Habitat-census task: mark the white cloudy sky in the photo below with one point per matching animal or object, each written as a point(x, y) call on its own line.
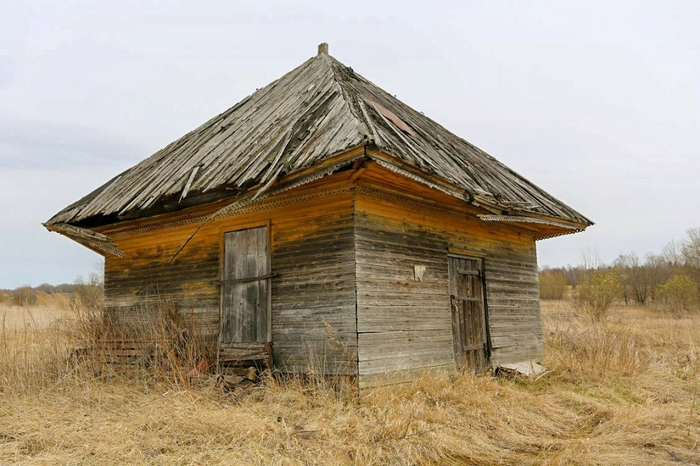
point(597, 102)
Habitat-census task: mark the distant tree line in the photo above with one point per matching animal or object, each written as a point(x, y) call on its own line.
point(90, 290)
point(670, 279)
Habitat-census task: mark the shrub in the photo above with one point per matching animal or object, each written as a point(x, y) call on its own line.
point(552, 284)
point(594, 350)
point(597, 291)
point(678, 294)
point(89, 292)
point(24, 296)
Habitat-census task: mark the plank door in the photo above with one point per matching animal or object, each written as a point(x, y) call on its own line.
point(245, 295)
point(468, 313)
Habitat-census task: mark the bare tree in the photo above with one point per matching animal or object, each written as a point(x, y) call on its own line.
point(690, 248)
point(671, 253)
point(628, 265)
point(590, 259)
point(658, 270)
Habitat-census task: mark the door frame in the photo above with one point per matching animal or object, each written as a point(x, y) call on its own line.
point(481, 259)
point(222, 259)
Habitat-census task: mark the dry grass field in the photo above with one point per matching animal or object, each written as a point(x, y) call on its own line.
point(621, 392)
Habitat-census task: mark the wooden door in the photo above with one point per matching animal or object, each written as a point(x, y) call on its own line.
point(468, 313)
point(245, 284)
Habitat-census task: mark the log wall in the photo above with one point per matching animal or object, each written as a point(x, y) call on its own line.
point(312, 249)
point(404, 325)
point(346, 250)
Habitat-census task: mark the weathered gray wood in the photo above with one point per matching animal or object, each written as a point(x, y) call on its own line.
point(324, 264)
point(389, 300)
point(243, 280)
point(312, 113)
point(245, 311)
point(313, 296)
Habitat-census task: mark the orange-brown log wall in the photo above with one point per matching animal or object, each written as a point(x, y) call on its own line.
point(313, 294)
point(333, 252)
point(404, 325)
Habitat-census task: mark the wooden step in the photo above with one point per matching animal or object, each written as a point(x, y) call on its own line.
point(245, 355)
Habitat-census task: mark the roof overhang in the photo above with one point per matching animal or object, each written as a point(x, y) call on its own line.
point(497, 212)
point(569, 227)
point(504, 212)
point(93, 240)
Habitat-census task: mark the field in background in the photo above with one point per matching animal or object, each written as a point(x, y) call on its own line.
point(622, 391)
point(48, 310)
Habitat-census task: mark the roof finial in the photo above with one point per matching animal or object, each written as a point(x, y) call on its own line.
point(323, 48)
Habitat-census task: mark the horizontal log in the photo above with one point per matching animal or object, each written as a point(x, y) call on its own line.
point(244, 280)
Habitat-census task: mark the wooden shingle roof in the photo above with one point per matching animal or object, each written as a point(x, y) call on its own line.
point(318, 110)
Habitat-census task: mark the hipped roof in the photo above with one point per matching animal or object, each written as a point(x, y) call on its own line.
point(318, 110)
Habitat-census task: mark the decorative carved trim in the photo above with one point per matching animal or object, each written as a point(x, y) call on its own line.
point(407, 199)
point(420, 179)
point(159, 226)
point(394, 196)
point(270, 202)
point(522, 219)
point(106, 248)
point(558, 234)
point(91, 239)
point(245, 205)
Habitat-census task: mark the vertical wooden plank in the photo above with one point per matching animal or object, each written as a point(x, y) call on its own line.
point(240, 309)
point(455, 310)
point(464, 306)
point(262, 269)
point(482, 300)
point(251, 290)
point(268, 283)
point(469, 324)
point(229, 298)
point(245, 310)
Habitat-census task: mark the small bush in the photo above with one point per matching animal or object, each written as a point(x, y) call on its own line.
point(24, 296)
point(89, 292)
point(678, 294)
point(595, 350)
point(552, 284)
point(597, 291)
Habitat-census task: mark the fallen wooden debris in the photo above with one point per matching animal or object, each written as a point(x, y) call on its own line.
point(520, 369)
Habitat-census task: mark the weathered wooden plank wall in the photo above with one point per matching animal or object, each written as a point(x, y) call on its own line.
point(313, 294)
point(336, 244)
point(313, 297)
point(403, 324)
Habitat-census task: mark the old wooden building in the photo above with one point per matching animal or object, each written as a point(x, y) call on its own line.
point(323, 218)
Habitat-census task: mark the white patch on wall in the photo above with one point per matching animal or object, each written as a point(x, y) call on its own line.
point(418, 272)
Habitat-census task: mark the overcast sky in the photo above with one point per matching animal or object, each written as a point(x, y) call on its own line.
point(596, 102)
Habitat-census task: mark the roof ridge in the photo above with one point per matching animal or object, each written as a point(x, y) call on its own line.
point(362, 124)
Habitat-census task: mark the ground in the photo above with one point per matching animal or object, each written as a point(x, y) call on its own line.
point(618, 392)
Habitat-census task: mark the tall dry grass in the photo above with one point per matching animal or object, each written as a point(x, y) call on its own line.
point(621, 391)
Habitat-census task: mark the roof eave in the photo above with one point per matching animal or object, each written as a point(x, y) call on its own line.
point(391, 162)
